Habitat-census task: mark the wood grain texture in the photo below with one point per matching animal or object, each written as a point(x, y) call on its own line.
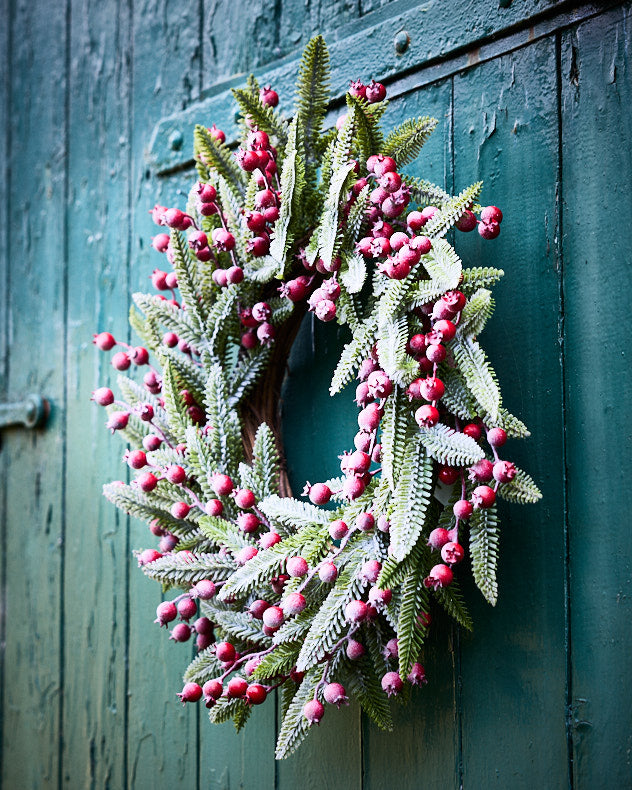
point(597, 175)
point(34, 480)
point(96, 577)
point(162, 733)
point(513, 666)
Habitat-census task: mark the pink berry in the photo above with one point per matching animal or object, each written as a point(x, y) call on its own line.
point(325, 310)
point(496, 437)
point(268, 96)
point(452, 553)
point(190, 693)
point(417, 675)
point(380, 598)
point(338, 529)
point(335, 694)
point(426, 416)
point(491, 214)
point(463, 509)
point(504, 471)
point(180, 633)
point(175, 474)
point(166, 612)
point(257, 608)
point(103, 396)
point(392, 684)
point(121, 360)
point(483, 496)
point(383, 524)
point(244, 498)
point(173, 218)
point(355, 650)
point(365, 522)
point(313, 711)
point(168, 543)
point(245, 555)
point(204, 589)
point(319, 493)
point(269, 539)
point(217, 134)
point(214, 507)
point(432, 388)
point(180, 509)
point(104, 341)
point(225, 652)
point(438, 538)
point(222, 484)
point(296, 566)
point(482, 471)
point(379, 384)
point(203, 626)
point(353, 487)
point(370, 571)
point(266, 333)
point(328, 573)
point(147, 482)
point(439, 576)
point(356, 611)
point(273, 617)
point(187, 608)
point(489, 231)
point(375, 92)
point(369, 418)
point(294, 603)
point(206, 192)
point(445, 328)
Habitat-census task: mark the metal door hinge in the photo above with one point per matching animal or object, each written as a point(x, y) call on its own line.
point(30, 412)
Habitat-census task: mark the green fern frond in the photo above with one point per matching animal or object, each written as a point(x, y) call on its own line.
point(181, 569)
point(452, 210)
point(262, 115)
point(367, 120)
point(411, 500)
point(443, 265)
point(521, 489)
point(450, 447)
point(405, 142)
point(479, 277)
point(476, 313)
point(451, 599)
point(312, 93)
point(425, 193)
point(218, 157)
point(478, 374)
point(353, 353)
point(484, 536)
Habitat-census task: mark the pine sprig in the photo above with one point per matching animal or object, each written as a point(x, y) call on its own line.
point(411, 500)
point(521, 490)
point(478, 374)
point(447, 446)
point(218, 158)
point(484, 535)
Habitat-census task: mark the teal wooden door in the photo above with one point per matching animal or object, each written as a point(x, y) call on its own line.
point(535, 98)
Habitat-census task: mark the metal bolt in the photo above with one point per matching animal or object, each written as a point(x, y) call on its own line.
point(401, 42)
point(176, 140)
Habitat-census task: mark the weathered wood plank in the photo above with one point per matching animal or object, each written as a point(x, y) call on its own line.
point(596, 183)
point(513, 667)
point(162, 734)
point(96, 537)
point(425, 739)
point(34, 497)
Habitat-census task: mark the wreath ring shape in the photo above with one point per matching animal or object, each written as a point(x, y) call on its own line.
point(328, 596)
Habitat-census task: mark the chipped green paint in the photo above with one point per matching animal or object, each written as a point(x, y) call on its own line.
point(534, 97)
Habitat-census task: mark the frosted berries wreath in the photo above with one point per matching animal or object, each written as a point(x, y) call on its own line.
point(329, 598)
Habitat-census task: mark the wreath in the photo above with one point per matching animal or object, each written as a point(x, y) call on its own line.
point(330, 596)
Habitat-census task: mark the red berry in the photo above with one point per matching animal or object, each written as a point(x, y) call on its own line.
point(295, 603)
point(203, 626)
point(338, 529)
point(353, 487)
point(355, 650)
point(375, 92)
point(496, 437)
point(439, 576)
point(482, 471)
point(103, 396)
point(268, 96)
point(365, 522)
point(504, 471)
point(427, 416)
point(136, 459)
point(147, 482)
point(452, 553)
point(483, 496)
point(491, 214)
point(432, 388)
point(180, 509)
point(417, 675)
point(473, 430)
point(466, 222)
point(213, 689)
point(257, 608)
point(175, 474)
point(180, 633)
point(245, 555)
point(244, 498)
point(438, 538)
point(214, 507)
point(190, 693)
point(369, 418)
point(269, 539)
point(379, 384)
point(256, 694)
point(463, 509)
point(222, 484)
point(121, 360)
point(488, 231)
point(319, 493)
point(237, 687)
point(225, 652)
point(370, 571)
point(445, 329)
point(187, 608)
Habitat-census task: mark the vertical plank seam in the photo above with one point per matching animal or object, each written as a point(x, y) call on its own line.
point(458, 690)
point(559, 249)
point(128, 254)
point(64, 396)
point(6, 175)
